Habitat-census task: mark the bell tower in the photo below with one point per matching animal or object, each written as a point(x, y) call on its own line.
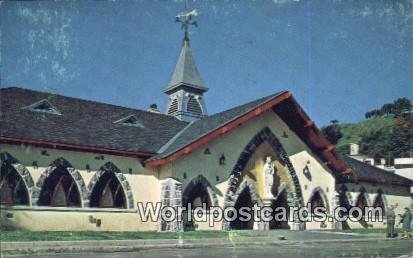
point(186, 88)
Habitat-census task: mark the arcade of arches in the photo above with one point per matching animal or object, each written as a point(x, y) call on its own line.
point(59, 188)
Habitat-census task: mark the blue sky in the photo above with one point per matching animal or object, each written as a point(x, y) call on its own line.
point(339, 58)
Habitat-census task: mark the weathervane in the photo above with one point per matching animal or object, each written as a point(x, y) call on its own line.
point(187, 19)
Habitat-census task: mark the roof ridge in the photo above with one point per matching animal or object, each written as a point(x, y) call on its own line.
point(249, 103)
point(86, 100)
point(173, 139)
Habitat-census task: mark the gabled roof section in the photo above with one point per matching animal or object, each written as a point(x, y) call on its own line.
point(43, 106)
point(130, 120)
point(202, 127)
point(368, 173)
point(186, 73)
point(84, 125)
point(202, 131)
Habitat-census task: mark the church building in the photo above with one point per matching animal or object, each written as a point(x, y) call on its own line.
point(74, 164)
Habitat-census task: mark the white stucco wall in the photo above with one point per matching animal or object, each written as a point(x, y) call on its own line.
point(144, 185)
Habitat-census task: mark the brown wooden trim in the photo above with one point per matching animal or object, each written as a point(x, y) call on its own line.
point(219, 131)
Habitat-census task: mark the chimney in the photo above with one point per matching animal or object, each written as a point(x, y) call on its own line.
point(153, 108)
point(354, 149)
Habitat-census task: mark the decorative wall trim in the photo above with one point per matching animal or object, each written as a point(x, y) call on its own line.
point(255, 197)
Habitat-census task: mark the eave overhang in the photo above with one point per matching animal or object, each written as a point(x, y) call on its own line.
point(75, 147)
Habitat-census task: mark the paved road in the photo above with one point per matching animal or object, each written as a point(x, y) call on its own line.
point(376, 248)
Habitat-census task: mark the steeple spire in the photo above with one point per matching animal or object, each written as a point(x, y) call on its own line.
point(186, 86)
point(186, 72)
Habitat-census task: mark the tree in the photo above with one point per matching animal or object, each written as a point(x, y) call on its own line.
point(387, 108)
point(401, 105)
point(332, 132)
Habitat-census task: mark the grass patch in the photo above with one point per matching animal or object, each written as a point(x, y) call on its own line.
point(16, 236)
point(368, 230)
point(90, 235)
point(11, 236)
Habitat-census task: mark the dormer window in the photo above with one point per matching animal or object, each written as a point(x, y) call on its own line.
point(130, 121)
point(43, 106)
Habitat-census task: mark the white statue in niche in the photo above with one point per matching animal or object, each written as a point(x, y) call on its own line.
point(268, 176)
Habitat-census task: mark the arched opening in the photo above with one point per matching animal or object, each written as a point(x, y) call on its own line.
point(193, 106)
point(290, 177)
point(13, 190)
point(344, 202)
point(59, 190)
point(316, 201)
point(244, 200)
point(197, 195)
point(281, 212)
point(361, 203)
point(379, 203)
point(108, 193)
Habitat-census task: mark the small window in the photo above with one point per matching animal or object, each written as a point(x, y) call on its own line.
point(43, 106)
point(130, 121)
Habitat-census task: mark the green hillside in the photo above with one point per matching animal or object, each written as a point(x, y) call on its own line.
point(352, 133)
point(387, 132)
point(386, 137)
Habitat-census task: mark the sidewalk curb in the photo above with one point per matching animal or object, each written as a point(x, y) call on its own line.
point(96, 246)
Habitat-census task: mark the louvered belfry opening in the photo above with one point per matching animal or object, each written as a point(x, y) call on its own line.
point(59, 190)
point(108, 193)
point(173, 108)
point(13, 190)
point(193, 106)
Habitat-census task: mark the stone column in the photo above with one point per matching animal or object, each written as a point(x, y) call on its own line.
point(335, 202)
point(297, 225)
point(171, 195)
point(262, 225)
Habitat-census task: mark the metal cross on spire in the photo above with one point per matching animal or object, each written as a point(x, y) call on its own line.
point(187, 19)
